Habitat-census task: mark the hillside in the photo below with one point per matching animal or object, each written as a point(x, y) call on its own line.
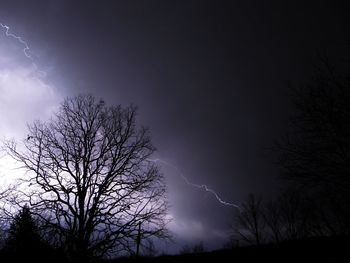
point(310, 250)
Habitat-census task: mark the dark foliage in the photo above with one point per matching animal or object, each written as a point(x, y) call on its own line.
point(23, 236)
point(24, 242)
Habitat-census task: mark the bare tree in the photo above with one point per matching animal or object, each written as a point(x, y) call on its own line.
point(315, 152)
point(273, 220)
point(4, 218)
point(90, 179)
point(250, 221)
point(294, 217)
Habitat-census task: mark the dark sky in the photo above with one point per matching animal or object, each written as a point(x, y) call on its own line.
point(209, 78)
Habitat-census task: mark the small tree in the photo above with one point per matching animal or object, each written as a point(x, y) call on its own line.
point(294, 215)
point(23, 236)
point(273, 220)
point(250, 221)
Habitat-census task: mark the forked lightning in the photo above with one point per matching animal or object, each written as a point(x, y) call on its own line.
point(199, 186)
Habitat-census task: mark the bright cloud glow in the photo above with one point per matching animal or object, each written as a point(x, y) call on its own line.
point(25, 96)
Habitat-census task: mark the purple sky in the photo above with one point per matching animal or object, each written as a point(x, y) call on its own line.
point(209, 79)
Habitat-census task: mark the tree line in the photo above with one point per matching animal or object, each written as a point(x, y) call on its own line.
point(314, 157)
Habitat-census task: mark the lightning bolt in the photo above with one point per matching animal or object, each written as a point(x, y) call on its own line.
point(199, 186)
point(26, 49)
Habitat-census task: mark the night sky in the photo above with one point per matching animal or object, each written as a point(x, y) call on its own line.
point(210, 79)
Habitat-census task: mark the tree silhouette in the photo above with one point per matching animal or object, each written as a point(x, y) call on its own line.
point(250, 222)
point(91, 181)
point(273, 219)
point(294, 217)
point(23, 241)
point(315, 152)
